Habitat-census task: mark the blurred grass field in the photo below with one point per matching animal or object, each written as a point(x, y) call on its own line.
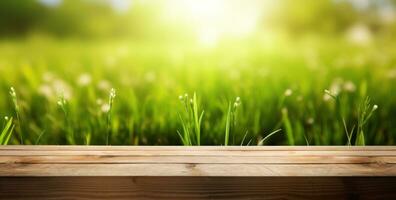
point(63, 90)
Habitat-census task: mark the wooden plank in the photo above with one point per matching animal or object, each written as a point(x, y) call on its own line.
point(197, 188)
point(103, 172)
point(200, 148)
point(196, 161)
point(86, 159)
point(198, 152)
point(273, 170)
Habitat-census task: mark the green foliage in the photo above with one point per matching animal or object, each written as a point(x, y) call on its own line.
point(364, 114)
point(17, 113)
point(365, 111)
point(288, 126)
point(262, 141)
point(112, 95)
point(231, 120)
point(191, 121)
point(68, 128)
point(7, 131)
point(149, 76)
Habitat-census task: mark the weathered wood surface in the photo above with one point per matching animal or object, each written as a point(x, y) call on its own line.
point(114, 172)
point(332, 188)
point(197, 161)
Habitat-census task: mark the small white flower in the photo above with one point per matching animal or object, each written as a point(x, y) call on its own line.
point(84, 79)
point(62, 88)
point(375, 107)
point(105, 108)
point(12, 92)
point(112, 93)
point(359, 34)
point(335, 89)
point(104, 85)
point(6, 118)
point(326, 96)
point(99, 101)
point(237, 102)
point(46, 91)
point(349, 86)
point(288, 92)
point(310, 120)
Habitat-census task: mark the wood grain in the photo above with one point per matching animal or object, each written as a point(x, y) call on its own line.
point(197, 188)
point(196, 161)
point(166, 172)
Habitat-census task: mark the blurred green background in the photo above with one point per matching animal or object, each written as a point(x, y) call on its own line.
point(62, 57)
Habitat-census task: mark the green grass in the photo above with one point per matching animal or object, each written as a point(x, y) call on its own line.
point(191, 121)
point(6, 133)
point(63, 92)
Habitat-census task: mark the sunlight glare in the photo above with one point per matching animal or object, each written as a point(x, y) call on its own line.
point(213, 20)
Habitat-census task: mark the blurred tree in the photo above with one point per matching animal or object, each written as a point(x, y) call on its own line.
point(19, 17)
point(79, 18)
point(303, 16)
point(147, 19)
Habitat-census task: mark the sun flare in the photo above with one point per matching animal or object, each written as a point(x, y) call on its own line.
point(212, 20)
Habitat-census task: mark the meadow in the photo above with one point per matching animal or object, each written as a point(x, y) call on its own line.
point(262, 91)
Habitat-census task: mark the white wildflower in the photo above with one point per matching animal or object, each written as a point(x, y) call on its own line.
point(104, 85)
point(62, 88)
point(288, 92)
point(359, 34)
point(112, 93)
point(237, 102)
point(105, 108)
point(326, 96)
point(46, 91)
point(99, 101)
point(349, 86)
point(335, 88)
point(12, 92)
point(310, 120)
point(84, 79)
